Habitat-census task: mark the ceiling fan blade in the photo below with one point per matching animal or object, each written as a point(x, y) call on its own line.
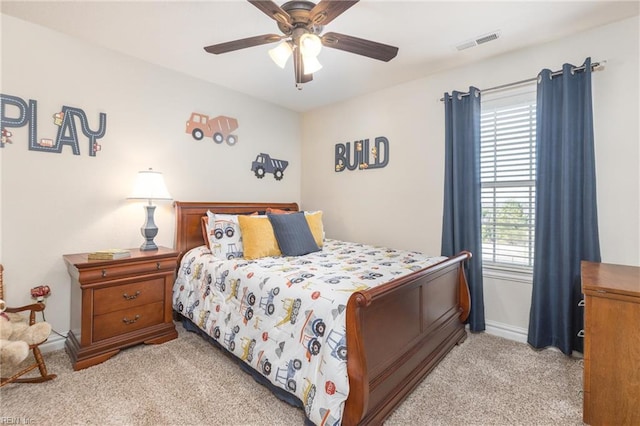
point(298, 67)
point(230, 46)
point(273, 10)
point(359, 46)
point(328, 10)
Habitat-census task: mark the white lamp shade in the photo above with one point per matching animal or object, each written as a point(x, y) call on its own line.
point(310, 64)
point(310, 45)
point(281, 53)
point(149, 185)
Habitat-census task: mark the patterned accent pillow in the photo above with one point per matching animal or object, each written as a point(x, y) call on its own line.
point(258, 237)
point(293, 234)
point(225, 236)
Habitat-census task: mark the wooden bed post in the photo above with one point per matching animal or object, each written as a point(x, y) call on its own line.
point(358, 399)
point(465, 296)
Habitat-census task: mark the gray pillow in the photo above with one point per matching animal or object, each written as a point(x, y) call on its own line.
point(293, 234)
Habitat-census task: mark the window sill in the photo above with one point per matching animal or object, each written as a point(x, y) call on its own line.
point(507, 273)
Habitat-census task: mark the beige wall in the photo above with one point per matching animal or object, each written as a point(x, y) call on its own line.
point(401, 205)
point(53, 204)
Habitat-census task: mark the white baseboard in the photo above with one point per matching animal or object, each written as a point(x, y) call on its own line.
point(507, 331)
point(494, 328)
point(517, 334)
point(54, 343)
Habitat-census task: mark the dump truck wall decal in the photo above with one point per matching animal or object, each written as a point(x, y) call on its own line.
point(264, 164)
point(219, 128)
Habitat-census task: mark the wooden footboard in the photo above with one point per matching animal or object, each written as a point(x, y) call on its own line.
point(397, 333)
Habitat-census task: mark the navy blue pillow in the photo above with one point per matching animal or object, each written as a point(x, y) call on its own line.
point(293, 234)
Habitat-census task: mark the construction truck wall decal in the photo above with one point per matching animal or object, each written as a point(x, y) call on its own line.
point(219, 128)
point(265, 164)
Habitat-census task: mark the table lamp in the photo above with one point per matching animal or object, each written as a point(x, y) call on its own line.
point(149, 185)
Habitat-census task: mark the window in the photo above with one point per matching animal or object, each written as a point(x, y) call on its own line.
point(507, 175)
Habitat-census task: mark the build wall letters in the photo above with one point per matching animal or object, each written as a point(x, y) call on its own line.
point(362, 156)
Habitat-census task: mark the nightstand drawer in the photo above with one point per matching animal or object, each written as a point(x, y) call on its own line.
point(128, 296)
point(127, 320)
point(99, 272)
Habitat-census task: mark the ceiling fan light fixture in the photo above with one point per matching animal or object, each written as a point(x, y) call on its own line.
point(301, 23)
point(281, 53)
point(310, 45)
point(310, 64)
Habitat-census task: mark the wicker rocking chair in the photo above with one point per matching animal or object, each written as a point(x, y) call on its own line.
point(33, 346)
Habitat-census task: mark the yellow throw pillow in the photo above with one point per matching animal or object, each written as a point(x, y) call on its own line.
point(258, 239)
point(315, 225)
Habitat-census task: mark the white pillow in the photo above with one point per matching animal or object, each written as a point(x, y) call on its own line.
point(225, 238)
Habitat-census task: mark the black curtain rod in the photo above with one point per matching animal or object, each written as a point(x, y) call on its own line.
point(594, 67)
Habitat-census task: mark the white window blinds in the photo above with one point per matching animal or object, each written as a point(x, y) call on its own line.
point(507, 168)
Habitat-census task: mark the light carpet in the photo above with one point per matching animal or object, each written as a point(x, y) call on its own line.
point(485, 381)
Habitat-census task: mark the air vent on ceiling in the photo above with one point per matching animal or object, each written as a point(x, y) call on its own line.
point(485, 38)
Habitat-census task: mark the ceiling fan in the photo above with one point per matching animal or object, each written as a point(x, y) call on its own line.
point(301, 23)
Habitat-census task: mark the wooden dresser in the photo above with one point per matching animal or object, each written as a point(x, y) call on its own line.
point(119, 303)
point(612, 344)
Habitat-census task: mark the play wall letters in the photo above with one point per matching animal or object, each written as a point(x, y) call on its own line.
point(66, 121)
point(363, 157)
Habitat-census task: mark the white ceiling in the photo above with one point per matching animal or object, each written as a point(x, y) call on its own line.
point(172, 34)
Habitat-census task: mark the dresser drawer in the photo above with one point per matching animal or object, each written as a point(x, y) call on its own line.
point(126, 296)
point(127, 320)
point(102, 272)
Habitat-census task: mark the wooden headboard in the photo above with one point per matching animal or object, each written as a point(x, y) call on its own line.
point(189, 218)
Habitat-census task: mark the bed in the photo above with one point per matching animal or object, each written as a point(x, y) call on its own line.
point(395, 332)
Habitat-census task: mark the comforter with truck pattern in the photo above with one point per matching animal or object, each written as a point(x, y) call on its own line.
point(285, 316)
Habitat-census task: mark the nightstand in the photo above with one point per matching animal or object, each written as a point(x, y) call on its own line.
point(119, 303)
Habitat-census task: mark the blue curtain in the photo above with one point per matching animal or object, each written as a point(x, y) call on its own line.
point(566, 230)
point(461, 226)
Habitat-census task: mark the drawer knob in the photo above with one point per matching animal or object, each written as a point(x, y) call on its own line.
point(104, 273)
point(158, 265)
point(130, 321)
point(131, 296)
